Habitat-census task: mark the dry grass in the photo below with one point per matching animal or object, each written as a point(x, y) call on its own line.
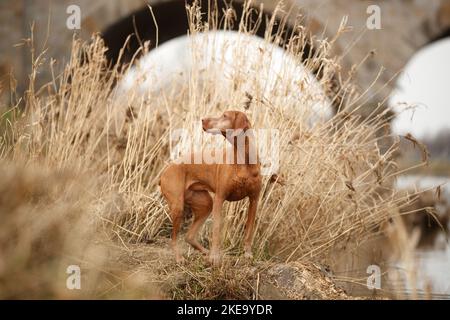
point(49, 222)
point(338, 181)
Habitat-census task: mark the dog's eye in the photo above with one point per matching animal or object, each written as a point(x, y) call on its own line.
point(223, 116)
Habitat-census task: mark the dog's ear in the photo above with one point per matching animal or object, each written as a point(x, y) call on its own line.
point(241, 122)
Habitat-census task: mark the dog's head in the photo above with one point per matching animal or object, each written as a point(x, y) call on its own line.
point(235, 121)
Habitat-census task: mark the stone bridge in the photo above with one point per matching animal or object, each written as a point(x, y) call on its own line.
point(406, 26)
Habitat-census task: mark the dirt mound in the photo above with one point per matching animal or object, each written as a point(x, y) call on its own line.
point(235, 279)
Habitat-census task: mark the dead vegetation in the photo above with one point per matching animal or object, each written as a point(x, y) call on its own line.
point(86, 189)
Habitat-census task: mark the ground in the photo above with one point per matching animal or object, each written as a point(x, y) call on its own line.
point(236, 279)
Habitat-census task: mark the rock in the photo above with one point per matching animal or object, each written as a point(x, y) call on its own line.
point(296, 280)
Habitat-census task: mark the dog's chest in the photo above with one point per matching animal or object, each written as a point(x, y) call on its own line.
point(242, 187)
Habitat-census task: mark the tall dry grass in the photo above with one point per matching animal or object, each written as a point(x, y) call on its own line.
point(338, 180)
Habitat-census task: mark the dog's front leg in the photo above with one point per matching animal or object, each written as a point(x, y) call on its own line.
point(215, 256)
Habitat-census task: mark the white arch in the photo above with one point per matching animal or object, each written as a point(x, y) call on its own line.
point(263, 69)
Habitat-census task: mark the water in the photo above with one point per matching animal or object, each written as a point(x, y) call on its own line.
point(432, 264)
point(421, 182)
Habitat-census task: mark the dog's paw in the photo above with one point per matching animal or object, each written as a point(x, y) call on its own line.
point(248, 255)
point(180, 259)
point(214, 259)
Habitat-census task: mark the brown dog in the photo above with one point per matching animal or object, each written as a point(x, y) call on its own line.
point(188, 185)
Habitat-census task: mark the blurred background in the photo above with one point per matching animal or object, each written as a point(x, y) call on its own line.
point(404, 65)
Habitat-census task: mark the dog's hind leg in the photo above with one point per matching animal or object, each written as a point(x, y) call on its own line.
point(174, 194)
point(250, 226)
point(200, 203)
point(176, 213)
